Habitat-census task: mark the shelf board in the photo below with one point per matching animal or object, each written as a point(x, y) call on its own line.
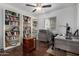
point(13, 36)
point(9, 47)
point(13, 20)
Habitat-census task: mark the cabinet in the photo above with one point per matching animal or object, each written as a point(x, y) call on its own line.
point(29, 44)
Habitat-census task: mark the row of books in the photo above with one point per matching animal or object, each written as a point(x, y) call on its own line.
point(11, 13)
point(12, 23)
point(12, 40)
point(10, 34)
point(26, 18)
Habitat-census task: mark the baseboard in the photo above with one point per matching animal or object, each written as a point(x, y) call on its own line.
point(12, 46)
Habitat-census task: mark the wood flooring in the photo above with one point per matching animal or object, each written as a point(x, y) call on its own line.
point(40, 50)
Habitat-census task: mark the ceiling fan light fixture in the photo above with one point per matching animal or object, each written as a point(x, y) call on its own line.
point(38, 8)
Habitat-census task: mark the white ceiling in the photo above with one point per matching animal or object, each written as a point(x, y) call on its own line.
point(55, 6)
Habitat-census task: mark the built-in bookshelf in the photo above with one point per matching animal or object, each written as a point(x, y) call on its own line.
point(12, 30)
point(26, 26)
point(34, 28)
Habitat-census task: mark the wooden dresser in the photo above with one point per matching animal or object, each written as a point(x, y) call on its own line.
point(29, 44)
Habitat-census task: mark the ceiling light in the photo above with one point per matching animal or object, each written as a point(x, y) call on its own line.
point(38, 8)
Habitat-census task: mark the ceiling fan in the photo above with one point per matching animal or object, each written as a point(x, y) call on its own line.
point(38, 6)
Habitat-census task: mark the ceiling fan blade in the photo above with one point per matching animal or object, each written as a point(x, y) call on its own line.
point(46, 6)
point(30, 5)
point(34, 10)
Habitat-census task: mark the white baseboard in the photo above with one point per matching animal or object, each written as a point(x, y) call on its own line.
point(12, 47)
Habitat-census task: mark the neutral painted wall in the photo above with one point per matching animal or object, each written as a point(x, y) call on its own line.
point(63, 16)
point(1, 31)
point(41, 23)
point(77, 16)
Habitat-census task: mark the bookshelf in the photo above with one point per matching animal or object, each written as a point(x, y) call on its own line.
point(34, 28)
point(12, 28)
point(29, 41)
point(26, 26)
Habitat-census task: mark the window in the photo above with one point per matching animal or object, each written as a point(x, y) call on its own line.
point(52, 23)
